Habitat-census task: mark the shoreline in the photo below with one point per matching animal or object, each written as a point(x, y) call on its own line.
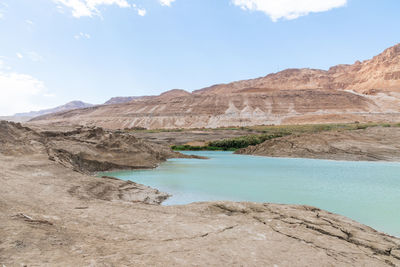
point(190, 196)
point(299, 158)
point(249, 202)
point(52, 212)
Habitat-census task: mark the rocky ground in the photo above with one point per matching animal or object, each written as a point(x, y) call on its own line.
point(371, 144)
point(84, 149)
point(53, 214)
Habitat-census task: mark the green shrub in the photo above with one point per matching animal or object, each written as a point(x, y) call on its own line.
point(198, 148)
point(244, 141)
point(361, 127)
point(268, 132)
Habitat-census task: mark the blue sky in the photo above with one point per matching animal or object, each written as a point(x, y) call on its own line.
point(55, 51)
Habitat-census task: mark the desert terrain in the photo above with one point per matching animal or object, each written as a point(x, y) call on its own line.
point(54, 213)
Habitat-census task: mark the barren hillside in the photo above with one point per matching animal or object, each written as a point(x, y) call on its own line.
point(364, 91)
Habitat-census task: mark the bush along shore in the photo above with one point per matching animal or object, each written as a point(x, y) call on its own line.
point(265, 133)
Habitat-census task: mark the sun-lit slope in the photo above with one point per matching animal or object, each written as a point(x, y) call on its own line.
point(364, 91)
point(382, 72)
point(196, 111)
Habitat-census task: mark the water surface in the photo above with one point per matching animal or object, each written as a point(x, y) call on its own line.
point(368, 192)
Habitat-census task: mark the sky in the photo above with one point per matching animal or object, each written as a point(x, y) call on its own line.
point(56, 51)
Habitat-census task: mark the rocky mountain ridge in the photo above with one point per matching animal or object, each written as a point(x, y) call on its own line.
point(365, 91)
point(69, 106)
point(382, 72)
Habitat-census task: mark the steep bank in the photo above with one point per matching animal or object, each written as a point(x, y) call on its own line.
point(371, 144)
point(85, 149)
point(94, 149)
point(50, 214)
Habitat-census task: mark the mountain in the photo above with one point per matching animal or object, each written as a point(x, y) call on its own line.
point(19, 119)
point(379, 73)
point(126, 99)
point(69, 106)
point(120, 100)
point(364, 91)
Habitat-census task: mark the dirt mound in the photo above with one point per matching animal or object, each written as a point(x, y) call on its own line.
point(112, 189)
point(84, 149)
point(16, 139)
point(94, 149)
point(372, 144)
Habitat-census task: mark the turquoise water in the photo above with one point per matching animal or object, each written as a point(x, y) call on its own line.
point(368, 192)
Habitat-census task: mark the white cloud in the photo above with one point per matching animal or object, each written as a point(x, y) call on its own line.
point(166, 2)
point(3, 66)
point(141, 12)
point(3, 7)
point(60, 9)
point(88, 8)
point(82, 35)
point(34, 56)
point(18, 92)
point(288, 9)
point(30, 22)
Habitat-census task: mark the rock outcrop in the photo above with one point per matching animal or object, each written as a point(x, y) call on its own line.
point(16, 139)
point(365, 91)
point(94, 149)
point(371, 144)
point(86, 150)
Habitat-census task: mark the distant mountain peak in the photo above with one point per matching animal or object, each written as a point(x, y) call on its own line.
point(121, 100)
point(175, 93)
point(76, 104)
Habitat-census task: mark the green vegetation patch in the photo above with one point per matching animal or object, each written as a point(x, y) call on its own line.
point(244, 141)
point(199, 148)
point(269, 132)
